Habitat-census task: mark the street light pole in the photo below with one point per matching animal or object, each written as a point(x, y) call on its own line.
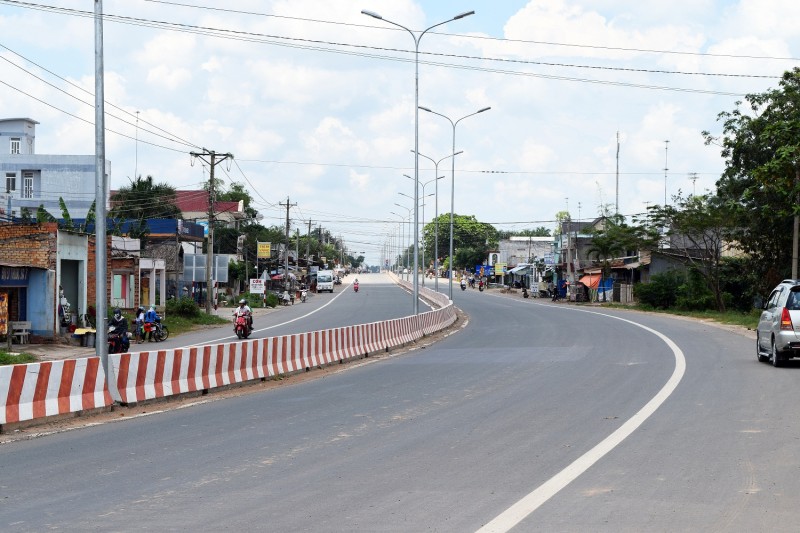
point(424, 264)
point(401, 234)
point(436, 229)
point(417, 39)
point(410, 209)
point(453, 184)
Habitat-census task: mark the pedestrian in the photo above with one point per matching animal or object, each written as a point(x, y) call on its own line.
point(139, 324)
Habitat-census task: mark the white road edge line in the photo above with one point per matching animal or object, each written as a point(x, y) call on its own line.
point(527, 505)
point(320, 308)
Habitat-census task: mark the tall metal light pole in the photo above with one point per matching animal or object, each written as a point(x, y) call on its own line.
point(453, 184)
point(400, 238)
point(424, 264)
point(417, 39)
point(436, 237)
point(410, 209)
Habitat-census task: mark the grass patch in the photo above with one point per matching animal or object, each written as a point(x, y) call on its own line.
point(12, 359)
point(179, 324)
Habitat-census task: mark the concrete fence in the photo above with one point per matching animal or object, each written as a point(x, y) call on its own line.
point(38, 390)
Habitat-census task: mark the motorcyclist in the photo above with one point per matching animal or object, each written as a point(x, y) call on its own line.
point(355, 284)
point(120, 325)
point(150, 318)
point(463, 284)
point(243, 310)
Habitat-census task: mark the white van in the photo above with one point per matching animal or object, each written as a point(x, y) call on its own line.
point(325, 280)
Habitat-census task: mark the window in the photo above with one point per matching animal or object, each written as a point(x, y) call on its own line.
point(27, 184)
point(15, 145)
point(11, 182)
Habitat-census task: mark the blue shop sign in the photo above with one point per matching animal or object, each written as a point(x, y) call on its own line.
point(13, 276)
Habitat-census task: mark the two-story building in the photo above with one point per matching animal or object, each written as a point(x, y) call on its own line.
point(33, 179)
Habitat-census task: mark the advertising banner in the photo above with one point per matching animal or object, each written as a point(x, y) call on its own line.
point(256, 286)
point(264, 250)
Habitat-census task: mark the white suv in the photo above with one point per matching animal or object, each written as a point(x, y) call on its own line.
point(778, 332)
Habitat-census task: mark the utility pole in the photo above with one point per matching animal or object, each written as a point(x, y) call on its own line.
point(211, 159)
point(100, 187)
point(616, 204)
point(308, 249)
point(286, 254)
point(666, 157)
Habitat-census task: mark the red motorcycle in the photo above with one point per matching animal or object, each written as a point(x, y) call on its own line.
point(355, 287)
point(242, 326)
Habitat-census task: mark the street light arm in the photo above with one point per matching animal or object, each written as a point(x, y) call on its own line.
point(471, 115)
point(371, 14)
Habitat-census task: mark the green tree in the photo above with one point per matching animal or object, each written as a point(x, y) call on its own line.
point(761, 182)
point(611, 239)
point(694, 231)
point(143, 199)
point(472, 240)
point(42, 215)
point(236, 193)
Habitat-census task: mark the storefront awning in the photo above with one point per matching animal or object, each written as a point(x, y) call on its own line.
point(591, 280)
point(520, 270)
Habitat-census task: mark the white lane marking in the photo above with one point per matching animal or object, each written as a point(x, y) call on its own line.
point(280, 324)
point(229, 337)
point(527, 505)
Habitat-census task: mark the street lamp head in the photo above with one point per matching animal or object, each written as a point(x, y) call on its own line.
point(462, 15)
point(425, 109)
point(459, 152)
point(371, 14)
point(482, 110)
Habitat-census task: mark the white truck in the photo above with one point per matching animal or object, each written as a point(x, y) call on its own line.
point(325, 280)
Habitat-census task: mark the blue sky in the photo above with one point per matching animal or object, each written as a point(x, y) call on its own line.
point(329, 120)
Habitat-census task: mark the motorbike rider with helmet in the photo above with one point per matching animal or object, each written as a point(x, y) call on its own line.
point(243, 310)
point(120, 333)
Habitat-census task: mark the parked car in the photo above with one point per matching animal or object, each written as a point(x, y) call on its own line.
point(778, 332)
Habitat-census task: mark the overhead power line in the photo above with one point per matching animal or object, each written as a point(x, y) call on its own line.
point(478, 37)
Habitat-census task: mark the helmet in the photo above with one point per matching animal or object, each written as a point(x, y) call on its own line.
point(242, 301)
point(117, 313)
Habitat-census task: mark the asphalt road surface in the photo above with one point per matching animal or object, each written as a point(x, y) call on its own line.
point(534, 417)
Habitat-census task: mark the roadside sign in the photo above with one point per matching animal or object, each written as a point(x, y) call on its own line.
point(264, 250)
point(256, 286)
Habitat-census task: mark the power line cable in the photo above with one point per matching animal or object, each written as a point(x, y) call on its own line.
point(480, 37)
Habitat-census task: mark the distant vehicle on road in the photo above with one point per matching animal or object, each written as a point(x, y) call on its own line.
point(325, 280)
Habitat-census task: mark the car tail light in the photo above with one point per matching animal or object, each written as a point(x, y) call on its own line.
point(786, 320)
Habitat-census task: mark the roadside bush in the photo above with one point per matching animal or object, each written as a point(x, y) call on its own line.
point(272, 300)
point(693, 294)
point(184, 306)
point(661, 292)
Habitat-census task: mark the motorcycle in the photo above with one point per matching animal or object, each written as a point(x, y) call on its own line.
point(156, 330)
point(118, 342)
point(480, 286)
point(524, 292)
point(242, 326)
point(303, 295)
point(463, 286)
point(355, 287)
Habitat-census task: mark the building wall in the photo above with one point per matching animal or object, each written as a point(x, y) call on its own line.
point(33, 245)
point(71, 177)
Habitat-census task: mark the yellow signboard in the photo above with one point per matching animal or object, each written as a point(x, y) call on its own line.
point(264, 250)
